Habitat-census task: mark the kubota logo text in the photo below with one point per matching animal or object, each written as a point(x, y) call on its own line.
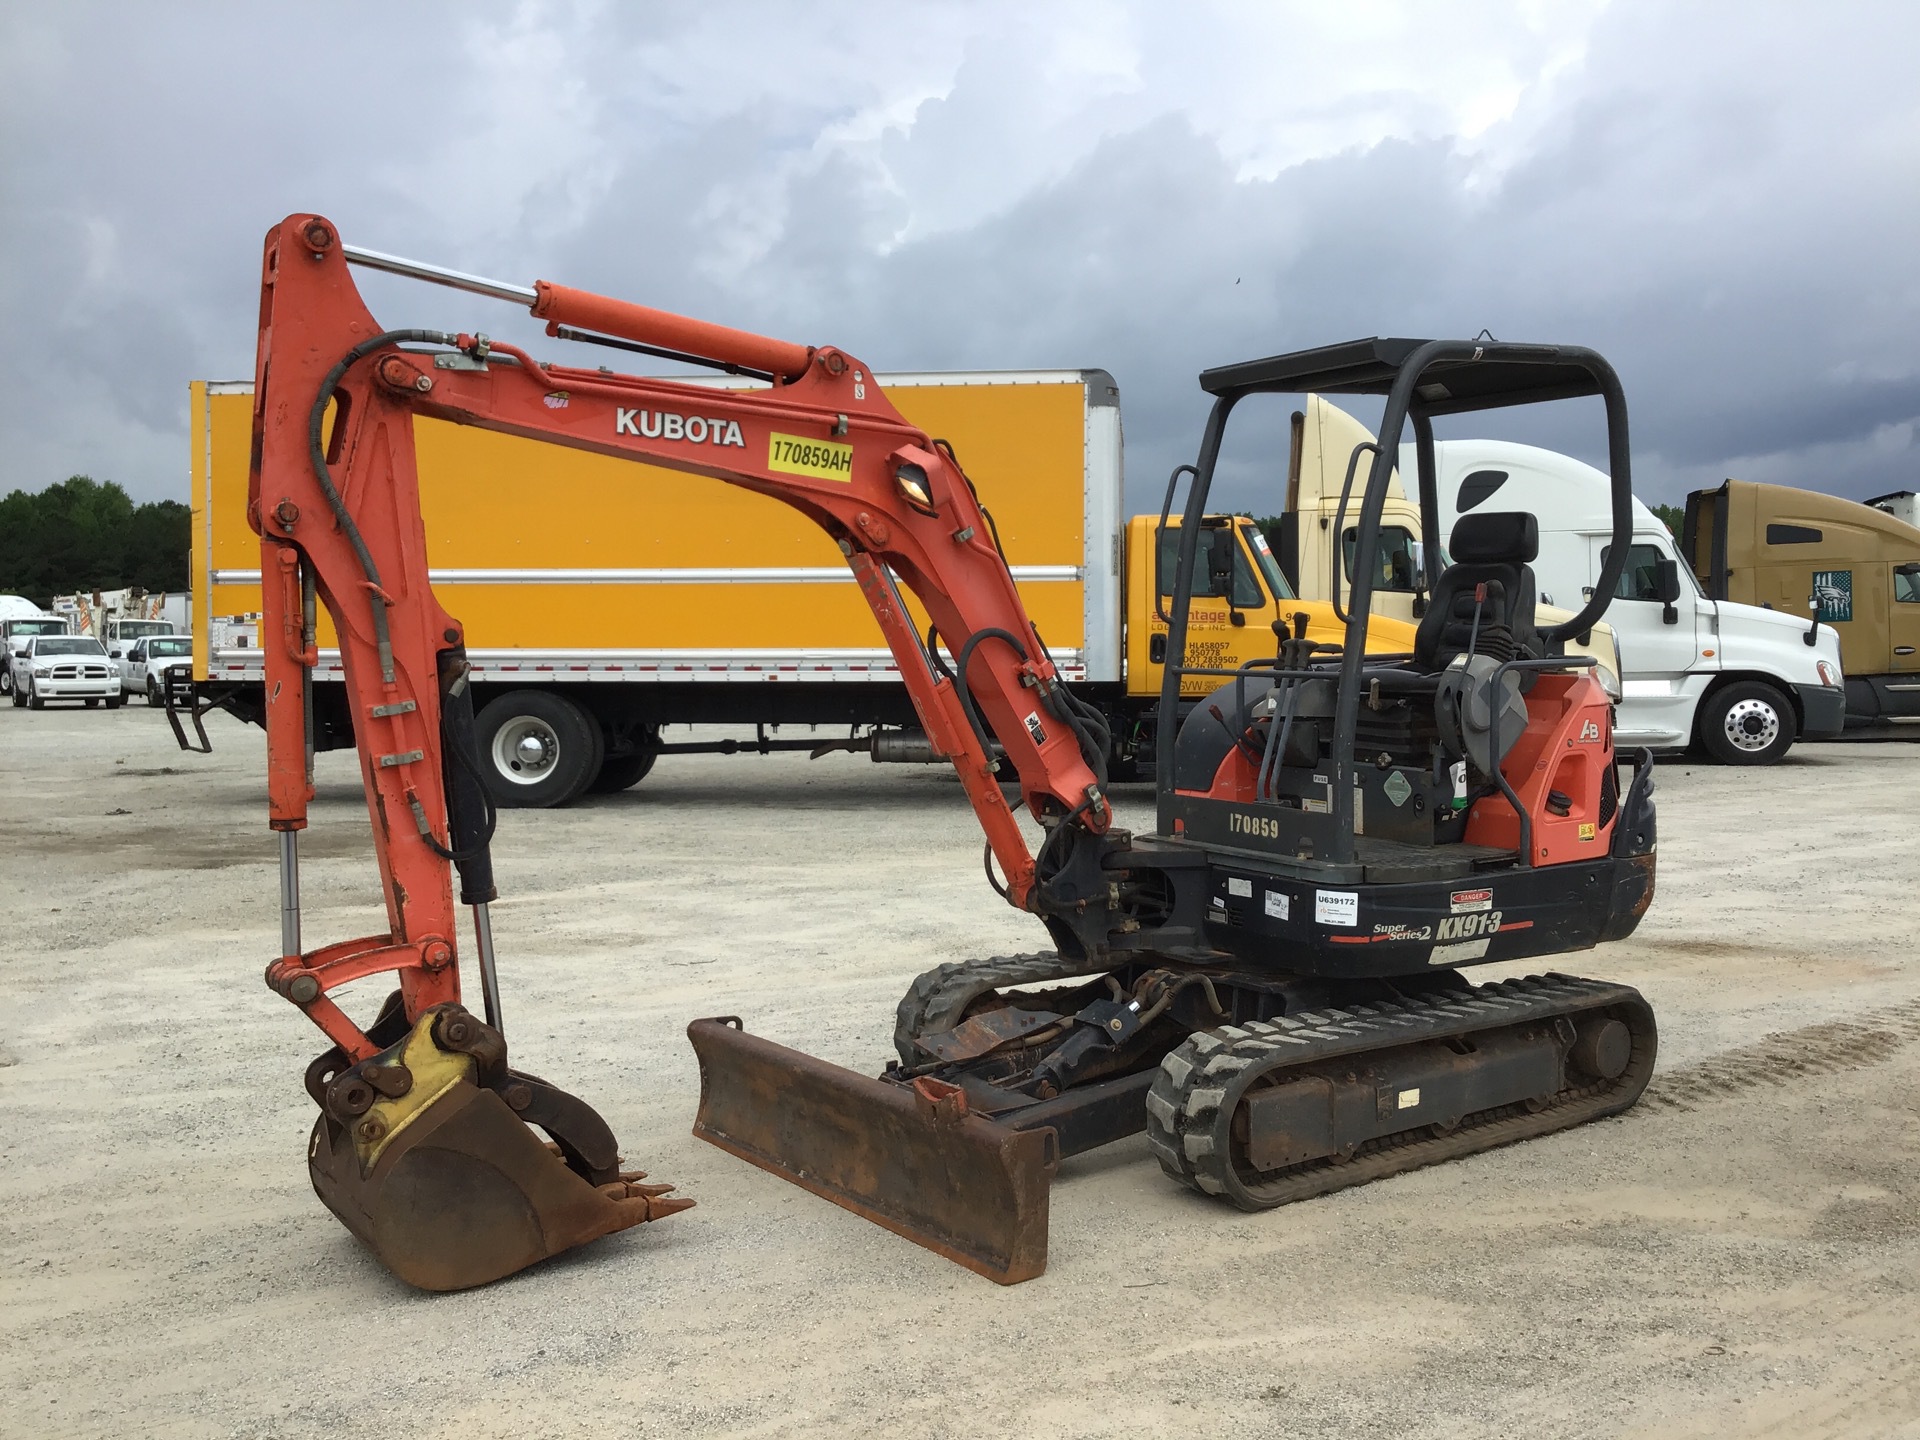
point(665, 425)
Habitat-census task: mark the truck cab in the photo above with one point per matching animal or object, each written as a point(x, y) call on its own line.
point(1327, 452)
point(1851, 568)
point(1742, 682)
point(1239, 595)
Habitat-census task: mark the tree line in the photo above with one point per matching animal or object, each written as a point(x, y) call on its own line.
point(81, 535)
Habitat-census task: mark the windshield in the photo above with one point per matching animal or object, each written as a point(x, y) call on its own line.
point(39, 627)
point(67, 645)
point(1269, 566)
point(135, 629)
point(170, 646)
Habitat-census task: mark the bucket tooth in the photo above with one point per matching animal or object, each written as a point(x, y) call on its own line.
point(909, 1157)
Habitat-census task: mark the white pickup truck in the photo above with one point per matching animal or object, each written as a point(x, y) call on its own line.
point(63, 667)
point(144, 665)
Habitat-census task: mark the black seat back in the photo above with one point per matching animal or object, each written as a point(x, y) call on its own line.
point(1492, 550)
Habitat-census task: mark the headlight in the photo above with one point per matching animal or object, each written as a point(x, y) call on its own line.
point(1610, 680)
point(1828, 675)
point(42, 672)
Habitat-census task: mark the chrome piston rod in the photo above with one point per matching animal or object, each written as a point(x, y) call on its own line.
point(439, 275)
point(290, 894)
point(489, 977)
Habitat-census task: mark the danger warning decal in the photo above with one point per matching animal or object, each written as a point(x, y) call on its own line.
point(1462, 902)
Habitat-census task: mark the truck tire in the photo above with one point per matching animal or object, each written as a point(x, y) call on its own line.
point(1746, 723)
point(154, 702)
point(6, 680)
point(623, 772)
point(114, 702)
point(537, 749)
point(34, 702)
point(19, 697)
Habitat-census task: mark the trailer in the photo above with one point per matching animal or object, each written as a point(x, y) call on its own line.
point(607, 603)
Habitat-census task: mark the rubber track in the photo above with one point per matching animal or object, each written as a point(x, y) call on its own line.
point(938, 999)
point(1191, 1104)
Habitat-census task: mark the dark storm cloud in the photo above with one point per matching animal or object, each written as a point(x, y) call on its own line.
point(1723, 202)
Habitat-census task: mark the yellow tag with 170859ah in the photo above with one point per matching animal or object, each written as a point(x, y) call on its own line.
point(821, 459)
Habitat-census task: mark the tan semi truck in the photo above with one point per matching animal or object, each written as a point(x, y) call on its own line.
point(1832, 562)
point(607, 602)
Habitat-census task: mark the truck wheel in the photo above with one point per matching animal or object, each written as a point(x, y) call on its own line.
point(154, 702)
point(623, 772)
point(1747, 723)
point(34, 702)
point(537, 749)
point(114, 702)
point(19, 698)
point(6, 680)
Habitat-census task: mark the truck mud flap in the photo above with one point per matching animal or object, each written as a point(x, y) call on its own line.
point(909, 1157)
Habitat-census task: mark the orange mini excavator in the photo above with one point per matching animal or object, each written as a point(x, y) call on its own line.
point(1268, 986)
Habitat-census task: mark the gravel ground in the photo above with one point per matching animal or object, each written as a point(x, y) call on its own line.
point(1737, 1256)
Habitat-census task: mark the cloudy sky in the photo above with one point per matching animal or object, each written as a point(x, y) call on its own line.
point(1723, 198)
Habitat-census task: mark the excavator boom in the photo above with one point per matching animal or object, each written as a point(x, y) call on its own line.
point(423, 1147)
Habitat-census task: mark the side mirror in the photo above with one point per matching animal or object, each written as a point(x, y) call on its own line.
point(1666, 589)
point(1666, 581)
point(1220, 558)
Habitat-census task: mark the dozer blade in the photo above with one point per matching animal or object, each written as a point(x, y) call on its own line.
point(909, 1157)
point(451, 1189)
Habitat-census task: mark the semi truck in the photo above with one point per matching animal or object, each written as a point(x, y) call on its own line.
point(1739, 681)
point(607, 602)
point(1821, 560)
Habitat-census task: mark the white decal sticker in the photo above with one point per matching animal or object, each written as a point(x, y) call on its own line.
point(1465, 900)
point(1239, 887)
point(1276, 905)
point(1336, 907)
point(1458, 954)
point(1409, 1099)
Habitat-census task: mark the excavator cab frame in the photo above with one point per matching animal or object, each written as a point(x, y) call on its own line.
point(1420, 380)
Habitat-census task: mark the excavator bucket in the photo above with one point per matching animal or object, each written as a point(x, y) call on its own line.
point(449, 1186)
point(909, 1157)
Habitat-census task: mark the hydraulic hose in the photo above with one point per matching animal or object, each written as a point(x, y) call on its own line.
point(316, 426)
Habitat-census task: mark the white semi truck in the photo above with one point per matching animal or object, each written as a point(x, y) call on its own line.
point(1740, 681)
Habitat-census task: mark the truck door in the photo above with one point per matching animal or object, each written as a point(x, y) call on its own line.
point(1236, 598)
point(1656, 654)
point(1395, 571)
point(1903, 622)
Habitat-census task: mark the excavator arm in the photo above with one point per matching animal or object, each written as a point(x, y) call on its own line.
point(423, 1147)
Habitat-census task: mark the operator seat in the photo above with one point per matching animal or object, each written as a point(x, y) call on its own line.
point(1493, 550)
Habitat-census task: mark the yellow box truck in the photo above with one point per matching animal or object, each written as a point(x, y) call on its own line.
point(606, 601)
